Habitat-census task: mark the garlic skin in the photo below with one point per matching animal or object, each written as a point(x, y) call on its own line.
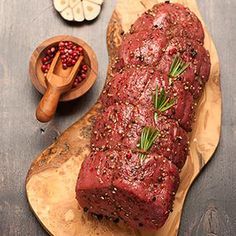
point(78, 10)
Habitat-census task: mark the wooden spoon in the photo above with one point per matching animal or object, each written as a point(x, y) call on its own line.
point(58, 82)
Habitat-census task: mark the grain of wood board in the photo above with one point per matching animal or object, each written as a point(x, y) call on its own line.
point(210, 207)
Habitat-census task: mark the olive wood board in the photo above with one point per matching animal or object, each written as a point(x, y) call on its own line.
point(51, 180)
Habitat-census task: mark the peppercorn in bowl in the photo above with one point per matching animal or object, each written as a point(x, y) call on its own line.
point(71, 48)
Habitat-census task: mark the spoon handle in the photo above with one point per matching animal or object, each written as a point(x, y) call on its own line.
point(48, 104)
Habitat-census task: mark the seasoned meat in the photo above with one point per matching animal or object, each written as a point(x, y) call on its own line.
point(110, 126)
point(197, 74)
point(118, 185)
point(183, 108)
point(144, 192)
point(143, 47)
point(94, 185)
point(171, 20)
point(127, 86)
point(172, 142)
point(138, 86)
point(139, 141)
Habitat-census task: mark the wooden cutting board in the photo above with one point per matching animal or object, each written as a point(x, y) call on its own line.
point(50, 183)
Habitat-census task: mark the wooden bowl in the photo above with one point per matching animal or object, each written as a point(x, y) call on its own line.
point(37, 76)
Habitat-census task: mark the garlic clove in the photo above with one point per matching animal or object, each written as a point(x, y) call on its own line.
point(91, 10)
point(67, 14)
point(60, 5)
point(99, 2)
point(78, 12)
point(73, 3)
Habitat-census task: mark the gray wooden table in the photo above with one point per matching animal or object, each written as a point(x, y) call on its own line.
point(210, 208)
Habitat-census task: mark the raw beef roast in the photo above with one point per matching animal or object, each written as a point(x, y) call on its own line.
point(139, 141)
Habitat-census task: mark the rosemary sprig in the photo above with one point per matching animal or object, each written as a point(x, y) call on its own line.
point(162, 102)
point(148, 137)
point(178, 67)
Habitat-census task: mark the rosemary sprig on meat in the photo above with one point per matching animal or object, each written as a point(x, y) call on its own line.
point(178, 67)
point(148, 137)
point(162, 102)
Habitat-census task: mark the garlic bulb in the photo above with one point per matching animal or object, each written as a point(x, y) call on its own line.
point(78, 10)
